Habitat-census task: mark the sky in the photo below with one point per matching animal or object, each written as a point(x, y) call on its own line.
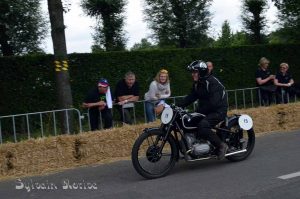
point(79, 27)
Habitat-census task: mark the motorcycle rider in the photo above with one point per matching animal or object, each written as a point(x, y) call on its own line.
point(212, 102)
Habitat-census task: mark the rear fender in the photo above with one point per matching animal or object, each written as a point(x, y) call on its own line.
point(231, 119)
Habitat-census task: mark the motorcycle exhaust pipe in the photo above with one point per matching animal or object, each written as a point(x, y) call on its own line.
point(193, 160)
point(188, 158)
point(236, 152)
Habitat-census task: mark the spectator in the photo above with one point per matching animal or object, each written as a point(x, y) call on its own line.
point(127, 90)
point(283, 81)
point(264, 80)
point(99, 101)
point(210, 67)
point(159, 90)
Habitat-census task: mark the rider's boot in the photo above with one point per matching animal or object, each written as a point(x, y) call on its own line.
point(222, 151)
point(221, 146)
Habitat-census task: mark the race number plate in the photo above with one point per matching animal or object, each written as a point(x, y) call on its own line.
point(166, 115)
point(245, 122)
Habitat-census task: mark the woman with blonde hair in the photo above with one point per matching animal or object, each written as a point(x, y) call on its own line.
point(283, 81)
point(159, 90)
point(264, 80)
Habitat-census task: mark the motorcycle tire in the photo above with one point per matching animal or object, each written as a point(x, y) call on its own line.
point(250, 142)
point(149, 154)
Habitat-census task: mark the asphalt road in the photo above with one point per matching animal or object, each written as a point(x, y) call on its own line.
point(261, 176)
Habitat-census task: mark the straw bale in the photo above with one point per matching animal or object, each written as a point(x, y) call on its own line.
point(274, 118)
point(46, 155)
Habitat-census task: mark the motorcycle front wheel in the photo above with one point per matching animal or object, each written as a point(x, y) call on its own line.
point(146, 157)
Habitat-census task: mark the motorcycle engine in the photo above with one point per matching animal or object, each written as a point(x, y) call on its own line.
point(197, 148)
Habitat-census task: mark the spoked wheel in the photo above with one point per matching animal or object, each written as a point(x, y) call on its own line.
point(146, 157)
point(240, 140)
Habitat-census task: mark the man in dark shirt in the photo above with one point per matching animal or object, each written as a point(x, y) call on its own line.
point(283, 81)
point(99, 101)
point(127, 92)
point(264, 80)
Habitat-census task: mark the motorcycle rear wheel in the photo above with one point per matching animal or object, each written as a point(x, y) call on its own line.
point(147, 160)
point(248, 138)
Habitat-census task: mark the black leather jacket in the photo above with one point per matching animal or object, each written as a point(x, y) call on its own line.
point(210, 94)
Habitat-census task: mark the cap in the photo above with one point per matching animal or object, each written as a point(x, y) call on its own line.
point(103, 82)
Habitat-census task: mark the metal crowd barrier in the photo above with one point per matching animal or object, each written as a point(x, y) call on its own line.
point(41, 115)
point(245, 101)
point(238, 98)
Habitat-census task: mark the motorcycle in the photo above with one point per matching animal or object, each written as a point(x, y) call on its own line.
point(156, 150)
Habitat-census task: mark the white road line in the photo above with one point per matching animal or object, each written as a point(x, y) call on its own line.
point(288, 176)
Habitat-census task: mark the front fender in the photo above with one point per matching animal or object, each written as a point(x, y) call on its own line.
point(148, 130)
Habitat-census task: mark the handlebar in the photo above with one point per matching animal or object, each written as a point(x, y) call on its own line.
point(180, 109)
point(184, 111)
point(177, 108)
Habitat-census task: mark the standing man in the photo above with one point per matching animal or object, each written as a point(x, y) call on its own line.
point(127, 91)
point(99, 101)
point(210, 67)
point(212, 99)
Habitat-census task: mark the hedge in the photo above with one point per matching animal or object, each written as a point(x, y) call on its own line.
point(28, 85)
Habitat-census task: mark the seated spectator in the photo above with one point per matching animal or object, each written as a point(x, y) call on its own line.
point(99, 101)
point(159, 90)
point(283, 81)
point(264, 80)
point(127, 91)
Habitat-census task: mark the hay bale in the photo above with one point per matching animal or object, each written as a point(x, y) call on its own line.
point(273, 118)
point(44, 155)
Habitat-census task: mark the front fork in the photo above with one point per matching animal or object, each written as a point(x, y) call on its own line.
point(167, 130)
point(163, 138)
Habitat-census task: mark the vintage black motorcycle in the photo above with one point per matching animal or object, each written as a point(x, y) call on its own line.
point(156, 150)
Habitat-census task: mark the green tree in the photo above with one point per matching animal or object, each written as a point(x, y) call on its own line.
point(109, 34)
point(143, 45)
point(22, 27)
point(97, 48)
point(254, 20)
point(225, 40)
point(289, 21)
point(179, 23)
point(240, 38)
